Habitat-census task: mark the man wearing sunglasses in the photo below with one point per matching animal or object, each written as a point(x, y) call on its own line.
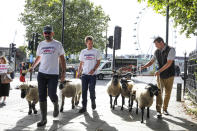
point(49, 53)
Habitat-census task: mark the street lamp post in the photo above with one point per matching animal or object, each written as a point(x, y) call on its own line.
point(106, 45)
point(167, 21)
point(63, 11)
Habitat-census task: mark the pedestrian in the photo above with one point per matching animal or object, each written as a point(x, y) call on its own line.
point(89, 62)
point(23, 71)
point(165, 56)
point(4, 88)
point(49, 54)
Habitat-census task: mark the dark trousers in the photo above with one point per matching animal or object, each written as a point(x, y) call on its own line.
point(88, 81)
point(47, 81)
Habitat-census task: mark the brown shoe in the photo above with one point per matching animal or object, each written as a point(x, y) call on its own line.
point(159, 115)
point(165, 112)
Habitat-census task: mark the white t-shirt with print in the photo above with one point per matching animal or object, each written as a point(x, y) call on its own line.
point(49, 52)
point(89, 59)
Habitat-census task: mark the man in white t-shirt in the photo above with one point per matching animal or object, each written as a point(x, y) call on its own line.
point(89, 62)
point(48, 54)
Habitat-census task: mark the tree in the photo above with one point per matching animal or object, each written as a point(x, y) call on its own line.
point(183, 12)
point(82, 18)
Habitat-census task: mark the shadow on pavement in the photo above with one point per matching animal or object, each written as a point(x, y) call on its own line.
point(95, 123)
point(156, 124)
point(65, 118)
point(189, 125)
point(25, 122)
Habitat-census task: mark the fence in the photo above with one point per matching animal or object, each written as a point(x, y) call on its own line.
point(191, 75)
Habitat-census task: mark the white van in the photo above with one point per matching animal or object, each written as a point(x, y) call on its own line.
point(105, 67)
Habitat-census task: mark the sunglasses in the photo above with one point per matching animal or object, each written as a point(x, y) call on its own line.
point(47, 33)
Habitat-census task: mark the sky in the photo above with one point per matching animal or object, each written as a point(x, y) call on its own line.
point(123, 13)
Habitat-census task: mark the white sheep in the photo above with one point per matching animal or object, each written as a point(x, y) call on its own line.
point(30, 92)
point(126, 88)
point(143, 94)
point(114, 88)
point(71, 88)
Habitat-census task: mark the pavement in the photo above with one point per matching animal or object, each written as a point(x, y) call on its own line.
point(14, 116)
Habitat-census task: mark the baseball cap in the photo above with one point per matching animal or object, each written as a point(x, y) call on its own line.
point(48, 28)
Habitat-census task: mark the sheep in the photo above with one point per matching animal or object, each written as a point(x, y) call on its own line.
point(126, 89)
point(30, 92)
point(71, 88)
point(114, 88)
point(143, 95)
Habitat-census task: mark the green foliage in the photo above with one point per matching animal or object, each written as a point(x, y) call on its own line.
point(23, 49)
point(82, 18)
point(183, 12)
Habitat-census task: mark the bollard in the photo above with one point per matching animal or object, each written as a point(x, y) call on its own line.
point(178, 94)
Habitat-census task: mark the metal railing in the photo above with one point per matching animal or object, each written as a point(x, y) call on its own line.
point(191, 75)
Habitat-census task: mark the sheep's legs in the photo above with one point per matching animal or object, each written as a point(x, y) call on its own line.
point(148, 112)
point(137, 108)
point(30, 108)
point(78, 98)
point(129, 102)
point(62, 105)
point(110, 101)
point(73, 103)
point(115, 101)
point(123, 102)
point(131, 106)
point(34, 108)
point(142, 109)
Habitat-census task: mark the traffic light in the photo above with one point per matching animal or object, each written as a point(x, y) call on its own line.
point(110, 39)
point(117, 37)
point(30, 45)
point(13, 49)
point(37, 39)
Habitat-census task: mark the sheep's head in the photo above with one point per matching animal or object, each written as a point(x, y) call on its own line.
point(61, 86)
point(153, 89)
point(115, 77)
point(23, 88)
point(124, 83)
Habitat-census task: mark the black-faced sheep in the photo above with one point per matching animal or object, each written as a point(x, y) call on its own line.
point(143, 94)
point(30, 92)
point(71, 88)
point(114, 88)
point(126, 89)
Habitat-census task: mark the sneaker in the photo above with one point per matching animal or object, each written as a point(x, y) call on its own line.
point(159, 115)
point(165, 112)
point(82, 110)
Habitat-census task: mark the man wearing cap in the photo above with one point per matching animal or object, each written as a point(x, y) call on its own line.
point(89, 62)
point(165, 56)
point(48, 54)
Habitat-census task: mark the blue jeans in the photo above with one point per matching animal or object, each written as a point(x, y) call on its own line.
point(88, 81)
point(47, 81)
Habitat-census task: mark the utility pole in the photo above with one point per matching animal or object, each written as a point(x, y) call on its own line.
point(106, 45)
point(32, 51)
point(167, 21)
point(63, 11)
